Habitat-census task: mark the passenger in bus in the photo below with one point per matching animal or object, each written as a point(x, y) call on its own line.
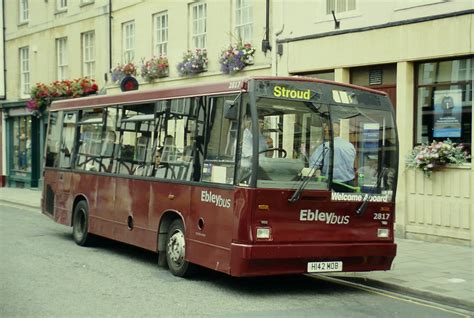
point(168, 152)
point(344, 156)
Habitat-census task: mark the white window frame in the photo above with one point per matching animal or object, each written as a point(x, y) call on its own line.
point(198, 25)
point(61, 58)
point(128, 41)
point(25, 88)
point(244, 20)
point(86, 2)
point(88, 54)
point(160, 36)
point(23, 10)
point(340, 6)
point(61, 5)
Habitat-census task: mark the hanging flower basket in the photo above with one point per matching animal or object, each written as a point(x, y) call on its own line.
point(42, 95)
point(194, 62)
point(154, 68)
point(236, 58)
point(437, 156)
point(122, 70)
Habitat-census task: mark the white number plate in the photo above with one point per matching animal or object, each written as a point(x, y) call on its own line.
point(322, 267)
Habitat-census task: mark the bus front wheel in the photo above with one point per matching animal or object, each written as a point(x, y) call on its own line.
point(80, 224)
point(176, 250)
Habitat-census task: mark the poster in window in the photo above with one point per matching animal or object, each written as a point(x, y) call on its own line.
point(447, 113)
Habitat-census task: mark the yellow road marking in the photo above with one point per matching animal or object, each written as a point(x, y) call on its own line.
point(383, 293)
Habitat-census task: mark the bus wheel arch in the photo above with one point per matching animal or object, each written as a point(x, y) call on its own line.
point(171, 244)
point(80, 222)
point(77, 199)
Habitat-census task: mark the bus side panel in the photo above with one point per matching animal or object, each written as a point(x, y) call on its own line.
point(243, 206)
point(56, 196)
point(209, 227)
point(128, 213)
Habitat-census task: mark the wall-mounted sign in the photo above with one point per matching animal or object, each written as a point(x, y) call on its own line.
point(447, 113)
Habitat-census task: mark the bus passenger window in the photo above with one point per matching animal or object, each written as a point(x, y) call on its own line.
point(90, 139)
point(175, 147)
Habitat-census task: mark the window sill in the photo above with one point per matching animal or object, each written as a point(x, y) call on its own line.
point(85, 4)
point(58, 12)
point(23, 23)
point(464, 166)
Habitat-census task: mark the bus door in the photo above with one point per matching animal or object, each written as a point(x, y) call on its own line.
point(211, 216)
point(59, 155)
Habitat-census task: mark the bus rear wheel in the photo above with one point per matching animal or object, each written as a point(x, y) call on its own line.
point(80, 224)
point(176, 250)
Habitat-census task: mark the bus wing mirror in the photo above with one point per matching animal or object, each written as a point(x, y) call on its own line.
point(230, 110)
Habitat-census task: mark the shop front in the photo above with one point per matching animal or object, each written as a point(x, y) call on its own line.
point(23, 148)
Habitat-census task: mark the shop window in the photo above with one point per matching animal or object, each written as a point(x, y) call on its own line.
point(444, 101)
point(22, 144)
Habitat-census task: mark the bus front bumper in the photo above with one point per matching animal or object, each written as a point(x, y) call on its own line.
point(275, 259)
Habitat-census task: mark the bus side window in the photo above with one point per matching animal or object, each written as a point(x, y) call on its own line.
point(175, 151)
point(90, 140)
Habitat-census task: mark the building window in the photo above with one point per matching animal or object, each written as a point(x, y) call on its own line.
point(24, 11)
point(161, 33)
point(88, 54)
point(25, 71)
point(340, 6)
point(444, 101)
point(243, 20)
point(199, 12)
point(128, 38)
point(61, 5)
point(61, 58)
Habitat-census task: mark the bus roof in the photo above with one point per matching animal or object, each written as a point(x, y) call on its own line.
point(228, 86)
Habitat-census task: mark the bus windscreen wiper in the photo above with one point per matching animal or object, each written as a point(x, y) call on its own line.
point(317, 165)
point(363, 206)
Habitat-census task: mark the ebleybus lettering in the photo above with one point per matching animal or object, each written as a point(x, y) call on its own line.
point(327, 217)
point(217, 199)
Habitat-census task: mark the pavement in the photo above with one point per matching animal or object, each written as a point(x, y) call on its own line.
point(438, 272)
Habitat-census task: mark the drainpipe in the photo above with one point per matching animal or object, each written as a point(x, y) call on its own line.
point(266, 41)
point(110, 38)
point(4, 52)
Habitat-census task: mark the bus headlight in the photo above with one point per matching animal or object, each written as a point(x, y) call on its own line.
point(263, 232)
point(383, 233)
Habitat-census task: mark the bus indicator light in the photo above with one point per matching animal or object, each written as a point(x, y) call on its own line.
point(264, 207)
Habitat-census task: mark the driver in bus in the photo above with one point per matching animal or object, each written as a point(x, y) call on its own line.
point(344, 156)
point(247, 139)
